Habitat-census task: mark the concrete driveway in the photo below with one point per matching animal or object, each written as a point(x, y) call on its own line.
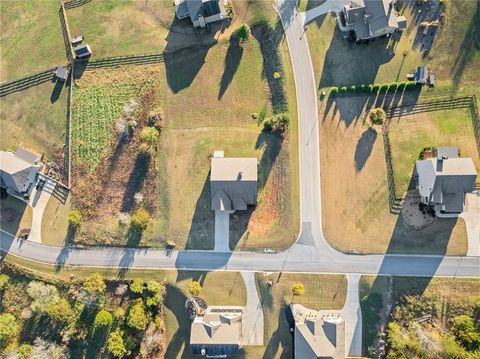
point(333, 6)
point(252, 325)
point(222, 230)
point(471, 215)
point(352, 314)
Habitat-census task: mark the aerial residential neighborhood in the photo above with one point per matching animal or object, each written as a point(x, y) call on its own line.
point(239, 179)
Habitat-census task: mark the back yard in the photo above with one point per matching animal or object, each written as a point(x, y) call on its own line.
point(15, 214)
point(355, 203)
point(204, 99)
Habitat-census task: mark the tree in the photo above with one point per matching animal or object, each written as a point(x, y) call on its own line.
point(24, 351)
point(115, 344)
point(61, 312)
point(74, 218)
point(3, 281)
point(137, 318)
point(137, 286)
point(377, 116)
point(103, 319)
point(94, 284)
point(465, 332)
point(140, 219)
point(152, 300)
point(154, 287)
point(243, 32)
point(150, 135)
point(43, 295)
point(8, 328)
point(298, 289)
point(194, 288)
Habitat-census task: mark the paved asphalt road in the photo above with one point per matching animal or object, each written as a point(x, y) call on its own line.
point(311, 253)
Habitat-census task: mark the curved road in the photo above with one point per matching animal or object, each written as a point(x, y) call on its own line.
point(311, 252)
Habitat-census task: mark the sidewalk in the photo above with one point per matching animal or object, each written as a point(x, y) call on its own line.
point(253, 321)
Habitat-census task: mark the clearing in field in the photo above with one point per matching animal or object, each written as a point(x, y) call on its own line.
point(356, 211)
point(207, 98)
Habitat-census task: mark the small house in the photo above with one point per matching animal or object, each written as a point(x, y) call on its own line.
point(317, 334)
point(233, 182)
point(83, 51)
point(217, 333)
point(18, 171)
point(201, 12)
point(61, 73)
point(444, 180)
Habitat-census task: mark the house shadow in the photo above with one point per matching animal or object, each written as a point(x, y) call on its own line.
point(232, 61)
point(186, 50)
point(239, 226)
point(281, 338)
point(202, 230)
point(364, 148)
point(311, 4)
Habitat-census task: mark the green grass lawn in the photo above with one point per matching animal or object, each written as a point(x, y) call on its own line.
point(31, 38)
point(54, 222)
point(321, 292)
point(411, 133)
point(15, 214)
point(30, 119)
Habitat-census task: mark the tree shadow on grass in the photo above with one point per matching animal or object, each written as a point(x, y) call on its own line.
point(135, 181)
point(202, 229)
point(175, 302)
point(232, 61)
point(269, 39)
point(96, 342)
point(364, 148)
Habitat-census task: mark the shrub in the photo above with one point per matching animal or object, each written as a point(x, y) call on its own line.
point(401, 85)
point(24, 351)
point(298, 289)
point(152, 300)
point(137, 318)
point(3, 281)
point(361, 88)
point(277, 123)
point(277, 75)
point(115, 344)
point(74, 218)
point(370, 88)
point(243, 32)
point(343, 89)
point(150, 135)
point(384, 87)
point(377, 116)
point(352, 88)
point(137, 286)
point(333, 91)
point(119, 313)
point(376, 88)
point(8, 328)
point(465, 332)
point(154, 287)
point(194, 288)
point(410, 85)
point(94, 284)
point(103, 319)
point(140, 219)
point(229, 9)
point(393, 86)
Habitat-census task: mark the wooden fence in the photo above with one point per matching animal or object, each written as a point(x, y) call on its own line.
point(66, 33)
point(26, 82)
point(74, 3)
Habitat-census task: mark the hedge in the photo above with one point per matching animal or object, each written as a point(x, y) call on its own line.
point(375, 88)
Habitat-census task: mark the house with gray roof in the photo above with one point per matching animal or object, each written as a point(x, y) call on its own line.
point(201, 12)
point(217, 333)
point(371, 18)
point(233, 182)
point(444, 180)
point(18, 171)
point(317, 334)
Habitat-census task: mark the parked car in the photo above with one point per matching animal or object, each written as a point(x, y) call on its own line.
point(269, 250)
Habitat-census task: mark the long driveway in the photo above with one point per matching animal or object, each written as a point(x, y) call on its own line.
point(311, 252)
